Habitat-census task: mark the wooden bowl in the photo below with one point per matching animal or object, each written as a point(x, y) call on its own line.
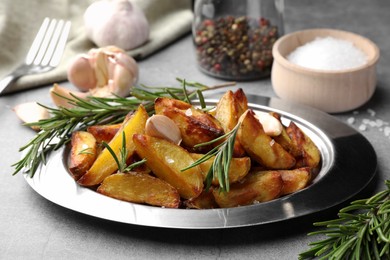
point(331, 91)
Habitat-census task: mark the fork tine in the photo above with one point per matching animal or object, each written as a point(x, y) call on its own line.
point(61, 45)
point(53, 43)
point(45, 42)
point(37, 42)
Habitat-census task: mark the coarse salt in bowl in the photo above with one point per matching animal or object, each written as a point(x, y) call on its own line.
point(332, 70)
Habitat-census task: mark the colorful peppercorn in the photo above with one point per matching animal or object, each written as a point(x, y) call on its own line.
point(237, 48)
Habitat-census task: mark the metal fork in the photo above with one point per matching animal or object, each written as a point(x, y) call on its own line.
point(45, 52)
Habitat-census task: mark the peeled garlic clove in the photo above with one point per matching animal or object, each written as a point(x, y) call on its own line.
point(163, 127)
point(81, 73)
point(117, 22)
point(271, 125)
point(31, 112)
point(64, 92)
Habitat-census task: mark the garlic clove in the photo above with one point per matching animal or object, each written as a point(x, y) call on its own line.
point(31, 112)
point(81, 73)
point(62, 102)
point(163, 127)
point(124, 74)
point(271, 125)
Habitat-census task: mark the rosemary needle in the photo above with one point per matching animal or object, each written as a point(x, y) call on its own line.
point(223, 153)
point(362, 231)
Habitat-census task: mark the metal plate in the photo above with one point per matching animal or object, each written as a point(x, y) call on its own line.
point(348, 165)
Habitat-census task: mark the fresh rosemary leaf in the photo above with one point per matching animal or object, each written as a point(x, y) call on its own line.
point(118, 162)
point(121, 162)
point(362, 231)
point(201, 99)
point(223, 153)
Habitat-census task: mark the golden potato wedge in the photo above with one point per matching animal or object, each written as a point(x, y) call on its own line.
point(241, 101)
point(284, 140)
point(239, 168)
point(105, 164)
point(196, 126)
point(82, 154)
point(204, 201)
point(166, 160)
point(295, 180)
point(227, 112)
point(261, 147)
point(256, 187)
point(104, 133)
point(309, 154)
point(140, 188)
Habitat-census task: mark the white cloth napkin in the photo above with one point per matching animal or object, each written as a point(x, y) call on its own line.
point(20, 21)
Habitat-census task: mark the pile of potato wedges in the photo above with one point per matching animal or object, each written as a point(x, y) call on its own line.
point(270, 159)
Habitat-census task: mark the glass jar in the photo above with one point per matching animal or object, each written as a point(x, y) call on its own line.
point(233, 39)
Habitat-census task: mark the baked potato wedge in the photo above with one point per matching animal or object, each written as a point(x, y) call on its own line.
point(256, 187)
point(295, 180)
point(309, 154)
point(261, 147)
point(83, 153)
point(105, 164)
point(104, 133)
point(140, 188)
point(196, 126)
point(227, 112)
point(241, 101)
point(239, 168)
point(166, 160)
point(204, 201)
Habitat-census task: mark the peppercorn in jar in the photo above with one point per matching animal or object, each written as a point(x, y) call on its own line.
point(234, 39)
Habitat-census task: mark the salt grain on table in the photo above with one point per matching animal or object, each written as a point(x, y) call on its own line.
point(328, 54)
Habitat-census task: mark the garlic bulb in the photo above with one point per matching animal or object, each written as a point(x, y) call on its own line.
point(163, 127)
point(117, 22)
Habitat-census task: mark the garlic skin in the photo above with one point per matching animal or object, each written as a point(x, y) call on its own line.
point(163, 127)
point(104, 72)
point(271, 125)
point(31, 112)
point(61, 102)
point(117, 22)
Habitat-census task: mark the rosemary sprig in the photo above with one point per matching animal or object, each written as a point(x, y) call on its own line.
point(123, 153)
point(56, 131)
point(362, 231)
point(223, 153)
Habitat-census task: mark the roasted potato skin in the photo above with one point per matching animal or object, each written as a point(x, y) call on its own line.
point(140, 188)
point(309, 154)
point(82, 154)
point(196, 126)
point(260, 146)
point(204, 201)
point(166, 160)
point(228, 111)
point(256, 187)
point(295, 180)
point(104, 133)
point(239, 168)
point(105, 164)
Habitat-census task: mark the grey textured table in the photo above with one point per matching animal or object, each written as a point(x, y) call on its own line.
point(33, 228)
